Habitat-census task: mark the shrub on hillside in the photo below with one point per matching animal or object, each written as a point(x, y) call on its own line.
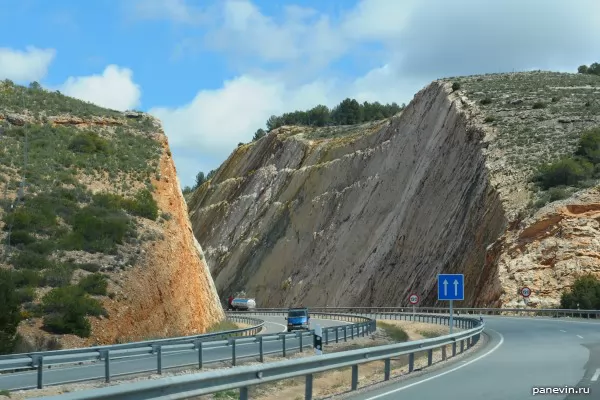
point(571, 171)
point(97, 229)
point(29, 260)
point(88, 142)
point(67, 309)
point(589, 146)
point(10, 315)
point(143, 205)
point(584, 294)
point(94, 284)
point(565, 172)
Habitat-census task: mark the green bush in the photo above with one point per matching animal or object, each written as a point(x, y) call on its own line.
point(585, 294)
point(57, 276)
point(143, 205)
point(555, 194)
point(10, 315)
point(20, 237)
point(89, 267)
point(568, 172)
point(26, 277)
point(66, 310)
point(539, 104)
point(98, 229)
point(589, 146)
point(88, 142)
point(455, 86)
point(29, 260)
point(94, 284)
point(26, 294)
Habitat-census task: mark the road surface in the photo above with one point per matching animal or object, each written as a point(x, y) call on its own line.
point(148, 363)
point(523, 356)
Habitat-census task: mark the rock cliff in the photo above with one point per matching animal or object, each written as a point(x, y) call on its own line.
point(100, 221)
point(374, 212)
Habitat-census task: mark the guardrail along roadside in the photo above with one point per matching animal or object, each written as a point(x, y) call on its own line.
point(244, 377)
point(97, 363)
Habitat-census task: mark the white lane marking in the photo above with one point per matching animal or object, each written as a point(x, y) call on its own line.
point(563, 331)
point(596, 375)
point(443, 373)
point(580, 337)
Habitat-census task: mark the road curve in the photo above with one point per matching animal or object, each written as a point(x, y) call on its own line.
point(148, 363)
point(522, 354)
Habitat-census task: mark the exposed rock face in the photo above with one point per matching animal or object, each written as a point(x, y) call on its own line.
point(444, 187)
point(548, 251)
point(357, 221)
point(102, 198)
point(172, 292)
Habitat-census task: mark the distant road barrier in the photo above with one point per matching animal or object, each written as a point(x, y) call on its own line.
point(525, 311)
point(190, 386)
point(199, 344)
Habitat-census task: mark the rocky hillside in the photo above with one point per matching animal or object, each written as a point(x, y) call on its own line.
point(94, 229)
point(366, 214)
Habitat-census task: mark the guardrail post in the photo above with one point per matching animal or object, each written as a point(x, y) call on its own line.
point(387, 369)
point(337, 330)
point(107, 366)
point(326, 332)
point(411, 362)
point(283, 343)
point(40, 372)
point(345, 333)
point(352, 332)
point(244, 393)
point(444, 353)
point(233, 351)
point(462, 346)
point(300, 339)
point(159, 359)
point(308, 389)
point(355, 377)
point(260, 349)
point(429, 357)
point(453, 348)
point(200, 354)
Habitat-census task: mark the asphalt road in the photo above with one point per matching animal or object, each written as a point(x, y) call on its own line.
point(147, 363)
point(523, 356)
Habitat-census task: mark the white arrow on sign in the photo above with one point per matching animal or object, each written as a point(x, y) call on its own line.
point(456, 287)
point(445, 287)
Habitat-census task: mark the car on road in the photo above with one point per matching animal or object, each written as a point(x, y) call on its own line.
point(298, 319)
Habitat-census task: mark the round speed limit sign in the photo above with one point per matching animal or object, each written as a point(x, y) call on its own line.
point(413, 299)
point(525, 292)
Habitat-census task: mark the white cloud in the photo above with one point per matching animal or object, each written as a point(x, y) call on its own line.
point(415, 42)
point(114, 88)
point(25, 66)
point(175, 10)
point(215, 121)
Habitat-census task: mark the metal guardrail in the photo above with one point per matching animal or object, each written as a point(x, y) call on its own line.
point(525, 311)
point(199, 344)
point(189, 386)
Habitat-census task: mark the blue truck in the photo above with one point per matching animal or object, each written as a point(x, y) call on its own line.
point(298, 319)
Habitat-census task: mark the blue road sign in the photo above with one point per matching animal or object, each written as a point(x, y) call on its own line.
point(451, 287)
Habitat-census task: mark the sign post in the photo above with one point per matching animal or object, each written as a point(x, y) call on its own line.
point(451, 287)
point(413, 299)
point(525, 292)
point(318, 344)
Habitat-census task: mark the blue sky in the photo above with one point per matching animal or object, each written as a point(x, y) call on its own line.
point(213, 71)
